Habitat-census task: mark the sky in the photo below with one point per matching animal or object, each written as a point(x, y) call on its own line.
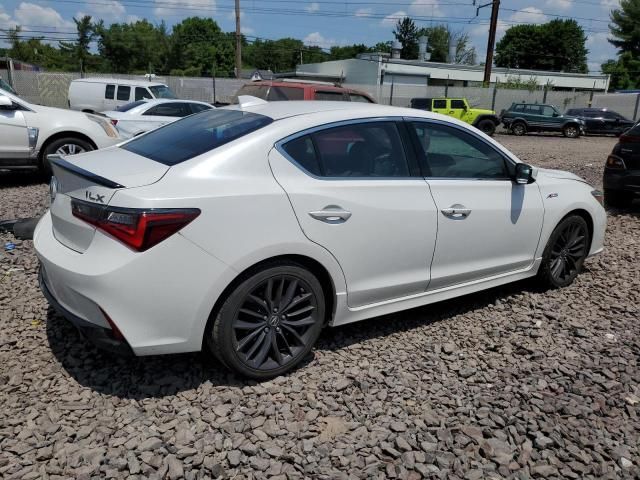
point(323, 23)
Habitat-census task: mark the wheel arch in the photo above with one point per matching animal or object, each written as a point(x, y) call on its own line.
point(482, 117)
point(586, 216)
point(64, 134)
point(313, 265)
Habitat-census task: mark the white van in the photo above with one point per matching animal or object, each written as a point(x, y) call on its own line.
point(100, 94)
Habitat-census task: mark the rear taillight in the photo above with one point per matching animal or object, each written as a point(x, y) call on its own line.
point(629, 139)
point(114, 122)
point(615, 162)
point(137, 228)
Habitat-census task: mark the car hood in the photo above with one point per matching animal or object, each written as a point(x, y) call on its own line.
point(559, 174)
point(482, 111)
point(68, 116)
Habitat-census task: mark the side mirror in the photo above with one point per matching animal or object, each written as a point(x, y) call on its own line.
point(556, 114)
point(523, 174)
point(5, 103)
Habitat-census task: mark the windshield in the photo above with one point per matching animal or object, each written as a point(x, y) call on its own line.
point(194, 135)
point(6, 87)
point(162, 91)
point(129, 106)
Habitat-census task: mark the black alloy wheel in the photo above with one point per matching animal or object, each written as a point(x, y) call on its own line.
point(566, 252)
point(269, 322)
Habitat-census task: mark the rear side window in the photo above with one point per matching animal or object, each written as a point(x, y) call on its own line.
point(304, 153)
point(192, 136)
point(575, 112)
point(329, 96)
point(277, 94)
point(439, 104)
point(124, 92)
point(457, 104)
point(142, 93)
point(109, 91)
point(129, 106)
point(198, 107)
point(170, 109)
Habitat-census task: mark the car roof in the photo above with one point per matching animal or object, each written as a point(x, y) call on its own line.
point(120, 81)
point(155, 101)
point(291, 108)
point(317, 86)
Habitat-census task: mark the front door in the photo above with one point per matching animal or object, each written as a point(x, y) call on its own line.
point(14, 137)
point(487, 224)
point(356, 193)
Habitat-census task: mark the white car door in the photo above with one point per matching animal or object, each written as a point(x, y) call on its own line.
point(14, 135)
point(487, 224)
point(357, 193)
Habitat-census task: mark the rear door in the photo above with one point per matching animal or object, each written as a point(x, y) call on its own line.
point(457, 109)
point(357, 193)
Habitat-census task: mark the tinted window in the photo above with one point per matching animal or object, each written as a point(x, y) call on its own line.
point(162, 91)
point(361, 150)
point(548, 111)
point(533, 109)
point(452, 153)
point(422, 103)
point(457, 104)
point(635, 130)
point(303, 152)
point(329, 96)
point(610, 115)
point(518, 108)
point(142, 93)
point(123, 92)
point(198, 107)
point(193, 136)
point(439, 104)
point(109, 91)
point(171, 109)
point(574, 112)
point(359, 98)
point(285, 93)
point(128, 106)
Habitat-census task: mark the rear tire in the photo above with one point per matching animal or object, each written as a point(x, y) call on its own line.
point(519, 129)
point(571, 131)
point(565, 253)
point(269, 322)
point(64, 146)
point(617, 198)
point(486, 126)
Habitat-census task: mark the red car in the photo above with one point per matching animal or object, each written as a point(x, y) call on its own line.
point(289, 90)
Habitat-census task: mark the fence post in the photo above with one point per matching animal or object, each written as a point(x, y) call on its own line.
point(495, 92)
point(635, 110)
point(446, 88)
point(544, 96)
point(591, 96)
point(391, 95)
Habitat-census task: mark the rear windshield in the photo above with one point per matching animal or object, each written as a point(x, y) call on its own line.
point(162, 91)
point(129, 106)
point(194, 135)
point(271, 93)
point(635, 130)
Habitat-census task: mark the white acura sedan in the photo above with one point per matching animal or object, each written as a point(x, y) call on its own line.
point(246, 230)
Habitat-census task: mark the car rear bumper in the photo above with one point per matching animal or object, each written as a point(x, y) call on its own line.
point(160, 300)
point(625, 180)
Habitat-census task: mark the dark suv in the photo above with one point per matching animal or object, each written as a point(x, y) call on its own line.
point(521, 118)
point(622, 171)
point(601, 120)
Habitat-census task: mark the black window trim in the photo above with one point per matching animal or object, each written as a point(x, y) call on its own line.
point(509, 162)
point(409, 152)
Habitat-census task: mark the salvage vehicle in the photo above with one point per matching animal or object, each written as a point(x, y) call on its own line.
point(621, 178)
point(296, 89)
point(601, 120)
point(30, 133)
point(521, 118)
point(246, 230)
point(484, 120)
point(138, 117)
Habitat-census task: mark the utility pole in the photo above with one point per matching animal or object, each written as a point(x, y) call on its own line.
point(495, 7)
point(238, 42)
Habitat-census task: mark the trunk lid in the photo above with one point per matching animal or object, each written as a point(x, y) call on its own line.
point(94, 178)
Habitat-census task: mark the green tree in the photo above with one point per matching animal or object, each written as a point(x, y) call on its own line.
point(440, 37)
point(625, 27)
point(564, 47)
point(625, 72)
point(406, 33)
point(79, 50)
point(349, 51)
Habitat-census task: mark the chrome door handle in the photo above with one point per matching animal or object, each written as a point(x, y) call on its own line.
point(331, 214)
point(456, 211)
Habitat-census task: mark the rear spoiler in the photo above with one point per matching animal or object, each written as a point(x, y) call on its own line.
point(60, 162)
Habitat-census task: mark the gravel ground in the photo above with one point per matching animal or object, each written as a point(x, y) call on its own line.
point(513, 382)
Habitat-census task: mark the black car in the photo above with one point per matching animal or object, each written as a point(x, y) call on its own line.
point(601, 120)
point(622, 171)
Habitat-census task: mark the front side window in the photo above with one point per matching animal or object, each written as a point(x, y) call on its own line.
point(458, 104)
point(548, 111)
point(363, 150)
point(518, 108)
point(452, 153)
point(124, 92)
point(329, 96)
point(198, 107)
point(162, 91)
point(142, 93)
point(192, 136)
point(439, 104)
point(109, 92)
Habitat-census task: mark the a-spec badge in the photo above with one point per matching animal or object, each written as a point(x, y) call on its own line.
point(552, 195)
point(94, 197)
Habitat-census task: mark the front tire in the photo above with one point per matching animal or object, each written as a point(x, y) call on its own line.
point(63, 146)
point(519, 129)
point(486, 126)
point(571, 131)
point(565, 253)
point(269, 322)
